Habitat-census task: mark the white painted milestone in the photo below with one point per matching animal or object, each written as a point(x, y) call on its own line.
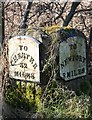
point(72, 58)
point(24, 61)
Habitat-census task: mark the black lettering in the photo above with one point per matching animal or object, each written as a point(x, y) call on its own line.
point(68, 74)
point(84, 59)
point(35, 66)
point(78, 58)
point(62, 66)
point(25, 48)
point(21, 46)
point(27, 75)
point(69, 59)
point(73, 46)
point(83, 70)
point(15, 59)
point(28, 56)
point(66, 61)
point(79, 71)
point(32, 76)
point(19, 56)
point(23, 74)
point(72, 73)
point(16, 73)
point(24, 55)
point(73, 58)
point(23, 65)
point(31, 60)
point(64, 75)
point(20, 74)
point(75, 73)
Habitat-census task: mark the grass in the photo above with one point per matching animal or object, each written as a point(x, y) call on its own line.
point(66, 104)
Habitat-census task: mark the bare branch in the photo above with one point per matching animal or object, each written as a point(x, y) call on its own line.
point(61, 12)
point(71, 13)
point(7, 4)
point(24, 25)
point(83, 10)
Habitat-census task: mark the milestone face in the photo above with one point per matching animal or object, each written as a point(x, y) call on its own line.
point(24, 58)
point(72, 58)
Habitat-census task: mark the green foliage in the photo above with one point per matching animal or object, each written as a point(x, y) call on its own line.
point(53, 100)
point(85, 87)
point(27, 98)
point(62, 103)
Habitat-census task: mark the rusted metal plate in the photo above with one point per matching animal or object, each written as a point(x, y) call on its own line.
point(24, 63)
point(72, 58)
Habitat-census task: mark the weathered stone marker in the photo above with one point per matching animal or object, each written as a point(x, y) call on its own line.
point(24, 63)
point(72, 56)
